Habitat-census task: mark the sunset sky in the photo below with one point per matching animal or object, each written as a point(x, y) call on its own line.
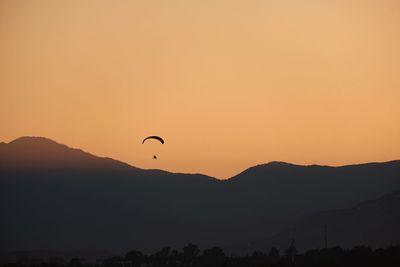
point(228, 84)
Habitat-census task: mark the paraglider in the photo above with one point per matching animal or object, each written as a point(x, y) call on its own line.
point(155, 138)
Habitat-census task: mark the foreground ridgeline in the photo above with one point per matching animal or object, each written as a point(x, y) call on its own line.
point(54, 195)
point(215, 257)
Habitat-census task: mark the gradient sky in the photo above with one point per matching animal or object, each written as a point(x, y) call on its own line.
point(228, 84)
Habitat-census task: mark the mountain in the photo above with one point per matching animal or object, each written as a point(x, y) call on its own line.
point(314, 188)
point(373, 222)
point(53, 197)
point(64, 198)
point(43, 153)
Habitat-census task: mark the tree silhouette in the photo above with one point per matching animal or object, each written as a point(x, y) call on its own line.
point(274, 255)
point(189, 255)
point(290, 252)
point(75, 262)
point(161, 258)
point(213, 257)
point(135, 257)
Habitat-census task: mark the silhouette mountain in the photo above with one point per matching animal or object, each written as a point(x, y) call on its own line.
point(374, 223)
point(43, 153)
point(55, 197)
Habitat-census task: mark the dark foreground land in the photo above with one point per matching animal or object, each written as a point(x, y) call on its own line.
point(53, 197)
point(215, 257)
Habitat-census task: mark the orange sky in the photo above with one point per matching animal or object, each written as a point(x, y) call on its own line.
point(228, 84)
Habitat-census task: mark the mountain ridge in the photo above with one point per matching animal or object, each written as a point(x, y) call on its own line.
point(41, 152)
point(38, 141)
point(280, 164)
point(122, 207)
point(374, 221)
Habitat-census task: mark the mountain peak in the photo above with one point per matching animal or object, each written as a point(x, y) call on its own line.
point(279, 164)
point(31, 141)
point(25, 139)
point(40, 152)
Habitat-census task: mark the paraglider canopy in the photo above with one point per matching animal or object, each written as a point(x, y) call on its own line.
point(154, 137)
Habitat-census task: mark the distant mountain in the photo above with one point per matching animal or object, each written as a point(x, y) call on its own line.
point(43, 153)
point(374, 223)
point(54, 197)
point(314, 187)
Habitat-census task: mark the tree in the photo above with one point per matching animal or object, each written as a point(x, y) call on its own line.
point(135, 257)
point(290, 252)
point(274, 255)
point(189, 255)
point(213, 257)
point(75, 262)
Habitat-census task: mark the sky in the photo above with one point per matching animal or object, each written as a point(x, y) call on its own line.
point(227, 84)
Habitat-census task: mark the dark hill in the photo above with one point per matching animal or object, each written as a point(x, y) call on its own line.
point(55, 197)
point(374, 223)
point(43, 153)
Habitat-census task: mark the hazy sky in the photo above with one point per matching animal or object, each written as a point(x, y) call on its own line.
point(228, 84)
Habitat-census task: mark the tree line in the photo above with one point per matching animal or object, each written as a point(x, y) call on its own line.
point(192, 256)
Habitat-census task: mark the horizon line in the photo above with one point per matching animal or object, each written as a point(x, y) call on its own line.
point(202, 174)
